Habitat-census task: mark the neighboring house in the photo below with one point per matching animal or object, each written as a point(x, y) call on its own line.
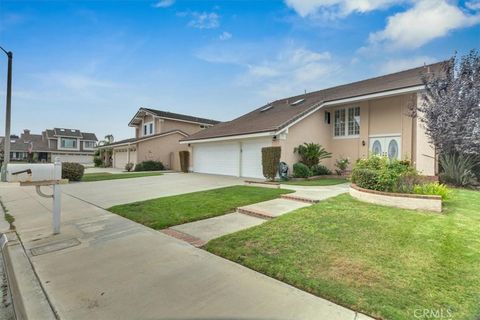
point(70, 145)
point(352, 120)
point(157, 135)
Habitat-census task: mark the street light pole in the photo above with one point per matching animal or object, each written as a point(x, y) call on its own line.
point(6, 144)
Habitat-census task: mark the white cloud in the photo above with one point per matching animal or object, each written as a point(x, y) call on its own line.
point(425, 21)
point(473, 5)
point(164, 3)
point(395, 65)
point(74, 81)
point(338, 7)
point(204, 20)
point(225, 36)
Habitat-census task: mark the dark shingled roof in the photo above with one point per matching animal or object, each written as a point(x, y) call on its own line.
point(73, 133)
point(131, 140)
point(282, 112)
point(171, 115)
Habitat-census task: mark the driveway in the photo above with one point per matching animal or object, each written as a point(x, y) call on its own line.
point(108, 193)
point(115, 268)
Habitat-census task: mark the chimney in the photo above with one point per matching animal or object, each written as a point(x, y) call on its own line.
point(26, 132)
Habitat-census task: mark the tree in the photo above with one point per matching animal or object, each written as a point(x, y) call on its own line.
point(451, 106)
point(311, 153)
point(108, 139)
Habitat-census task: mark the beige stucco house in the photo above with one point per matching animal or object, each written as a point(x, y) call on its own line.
point(157, 135)
point(352, 120)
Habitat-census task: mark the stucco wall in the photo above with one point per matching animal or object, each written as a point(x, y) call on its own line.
point(386, 116)
point(425, 156)
point(186, 127)
point(164, 149)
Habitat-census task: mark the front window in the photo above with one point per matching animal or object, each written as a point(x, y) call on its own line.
point(347, 122)
point(67, 143)
point(89, 144)
point(148, 129)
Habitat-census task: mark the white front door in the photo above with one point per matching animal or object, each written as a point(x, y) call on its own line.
point(217, 158)
point(387, 146)
point(252, 157)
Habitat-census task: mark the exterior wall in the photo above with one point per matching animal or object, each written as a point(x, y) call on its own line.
point(187, 127)
point(78, 158)
point(424, 153)
point(164, 149)
point(385, 116)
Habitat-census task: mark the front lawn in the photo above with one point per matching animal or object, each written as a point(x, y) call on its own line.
point(386, 262)
point(169, 211)
point(88, 177)
point(316, 182)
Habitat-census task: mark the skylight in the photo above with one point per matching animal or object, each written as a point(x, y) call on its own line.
point(297, 102)
point(266, 108)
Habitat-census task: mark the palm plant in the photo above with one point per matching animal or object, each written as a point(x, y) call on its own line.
point(311, 153)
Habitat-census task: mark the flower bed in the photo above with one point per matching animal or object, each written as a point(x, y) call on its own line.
point(399, 200)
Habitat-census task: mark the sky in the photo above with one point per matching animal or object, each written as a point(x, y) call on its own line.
point(90, 65)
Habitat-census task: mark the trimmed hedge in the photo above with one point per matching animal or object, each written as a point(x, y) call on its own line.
point(184, 160)
point(270, 162)
point(72, 171)
point(320, 170)
point(149, 165)
point(301, 170)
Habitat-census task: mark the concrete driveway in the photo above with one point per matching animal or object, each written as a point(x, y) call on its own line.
point(108, 193)
point(114, 268)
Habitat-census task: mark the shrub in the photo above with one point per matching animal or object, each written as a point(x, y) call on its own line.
point(72, 171)
point(184, 160)
point(129, 166)
point(270, 162)
point(378, 173)
point(320, 170)
point(97, 161)
point(300, 170)
point(149, 165)
point(311, 153)
point(342, 165)
point(433, 188)
point(457, 169)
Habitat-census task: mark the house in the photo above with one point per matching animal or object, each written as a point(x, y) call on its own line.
point(351, 121)
point(70, 145)
point(157, 135)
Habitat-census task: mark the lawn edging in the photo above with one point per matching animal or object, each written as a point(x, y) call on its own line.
point(398, 200)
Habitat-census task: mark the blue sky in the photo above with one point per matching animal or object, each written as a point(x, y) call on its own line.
point(91, 64)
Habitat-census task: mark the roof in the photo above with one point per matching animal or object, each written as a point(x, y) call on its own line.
point(134, 140)
point(71, 133)
point(278, 114)
point(22, 144)
point(169, 115)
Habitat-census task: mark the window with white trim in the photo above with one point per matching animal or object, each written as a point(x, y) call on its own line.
point(148, 128)
point(67, 143)
point(346, 122)
point(89, 144)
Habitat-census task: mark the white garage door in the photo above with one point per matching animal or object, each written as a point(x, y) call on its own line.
point(77, 158)
point(252, 157)
point(217, 158)
point(120, 158)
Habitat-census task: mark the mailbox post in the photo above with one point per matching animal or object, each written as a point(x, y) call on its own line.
point(39, 175)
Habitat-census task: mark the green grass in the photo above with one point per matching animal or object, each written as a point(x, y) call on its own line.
point(89, 177)
point(382, 261)
point(316, 182)
point(169, 211)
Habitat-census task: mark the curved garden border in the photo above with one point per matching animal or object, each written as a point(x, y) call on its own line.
point(399, 200)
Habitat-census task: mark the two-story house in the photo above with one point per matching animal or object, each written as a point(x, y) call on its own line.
point(70, 145)
point(157, 135)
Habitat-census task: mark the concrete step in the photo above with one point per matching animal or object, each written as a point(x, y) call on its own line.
point(293, 197)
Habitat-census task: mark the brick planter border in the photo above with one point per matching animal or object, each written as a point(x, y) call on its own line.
point(398, 200)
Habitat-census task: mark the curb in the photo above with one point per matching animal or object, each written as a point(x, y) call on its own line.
point(29, 299)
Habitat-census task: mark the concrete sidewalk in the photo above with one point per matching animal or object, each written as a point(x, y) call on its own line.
point(103, 266)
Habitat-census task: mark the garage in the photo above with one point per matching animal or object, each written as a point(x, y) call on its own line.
point(238, 158)
point(121, 158)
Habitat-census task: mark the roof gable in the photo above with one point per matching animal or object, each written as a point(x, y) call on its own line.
point(168, 115)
